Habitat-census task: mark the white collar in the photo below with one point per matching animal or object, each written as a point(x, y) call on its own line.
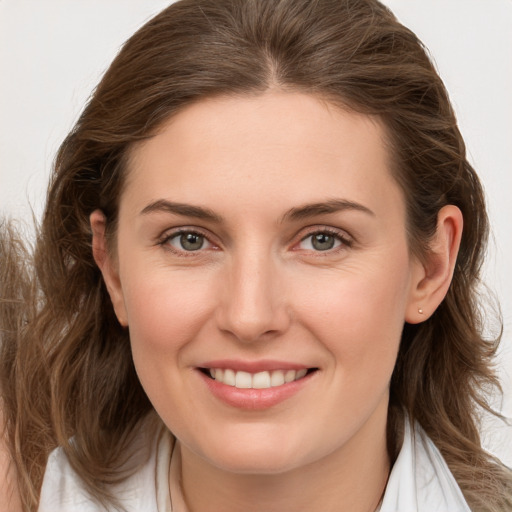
point(420, 480)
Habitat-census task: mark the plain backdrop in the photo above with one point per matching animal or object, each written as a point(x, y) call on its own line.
point(53, 52)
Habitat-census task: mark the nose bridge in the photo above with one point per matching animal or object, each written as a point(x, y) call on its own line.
point(253, 302)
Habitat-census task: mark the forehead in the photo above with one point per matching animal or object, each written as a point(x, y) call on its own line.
point(277, 146)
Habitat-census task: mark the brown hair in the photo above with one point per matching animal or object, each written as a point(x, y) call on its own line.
point(72, 373)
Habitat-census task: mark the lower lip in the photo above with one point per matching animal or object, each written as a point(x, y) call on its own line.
point(254, 399)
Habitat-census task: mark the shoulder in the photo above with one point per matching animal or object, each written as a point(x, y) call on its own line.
point(420, 479)
point(63, 489)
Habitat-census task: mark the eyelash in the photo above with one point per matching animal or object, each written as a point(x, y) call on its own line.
point(344, 241)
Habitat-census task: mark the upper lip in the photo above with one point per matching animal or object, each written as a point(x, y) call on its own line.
point(254, 366)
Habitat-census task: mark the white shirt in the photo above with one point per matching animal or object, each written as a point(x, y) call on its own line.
point(420, 480)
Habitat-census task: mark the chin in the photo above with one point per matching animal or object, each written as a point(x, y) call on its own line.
point(255, 463)
point(254, 456)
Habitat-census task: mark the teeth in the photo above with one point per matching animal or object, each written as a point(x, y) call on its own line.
point(260, 380)
point(243, 380)
point(289, 376)
point(278, 378)
point(229, 377)
point(301, 373)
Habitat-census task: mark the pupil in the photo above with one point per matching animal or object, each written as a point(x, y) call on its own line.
point(191, 242)
point(323, 242)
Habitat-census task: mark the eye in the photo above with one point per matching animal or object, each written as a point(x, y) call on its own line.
point(188, 241)
point(322, 241)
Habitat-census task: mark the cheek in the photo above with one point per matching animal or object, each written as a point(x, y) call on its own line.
point(166, 309)
point(358, 313)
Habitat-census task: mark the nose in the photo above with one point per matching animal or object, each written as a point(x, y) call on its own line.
point(253, 303)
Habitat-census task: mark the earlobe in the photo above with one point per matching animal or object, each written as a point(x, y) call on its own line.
point(432, 277)
point(108, 269)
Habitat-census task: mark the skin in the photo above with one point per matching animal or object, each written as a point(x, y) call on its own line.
point(258, 289)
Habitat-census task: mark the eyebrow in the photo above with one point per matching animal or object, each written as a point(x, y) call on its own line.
point(294, 214)
point(331, 206)
point(185, 210)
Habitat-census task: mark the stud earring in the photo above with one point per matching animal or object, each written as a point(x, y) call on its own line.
point(420, 311)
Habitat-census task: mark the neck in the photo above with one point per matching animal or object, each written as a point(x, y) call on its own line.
point(353, 478)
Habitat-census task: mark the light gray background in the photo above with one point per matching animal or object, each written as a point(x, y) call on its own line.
point(53, 52)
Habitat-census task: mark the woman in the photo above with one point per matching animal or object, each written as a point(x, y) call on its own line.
point(253, 239)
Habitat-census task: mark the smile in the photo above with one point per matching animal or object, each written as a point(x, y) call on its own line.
point(260, 380)
point(256, 385)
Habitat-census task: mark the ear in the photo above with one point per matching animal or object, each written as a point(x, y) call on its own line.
point(433, 275)
point(108, 268)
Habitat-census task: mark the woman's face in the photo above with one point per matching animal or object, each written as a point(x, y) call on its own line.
point(262, 238)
